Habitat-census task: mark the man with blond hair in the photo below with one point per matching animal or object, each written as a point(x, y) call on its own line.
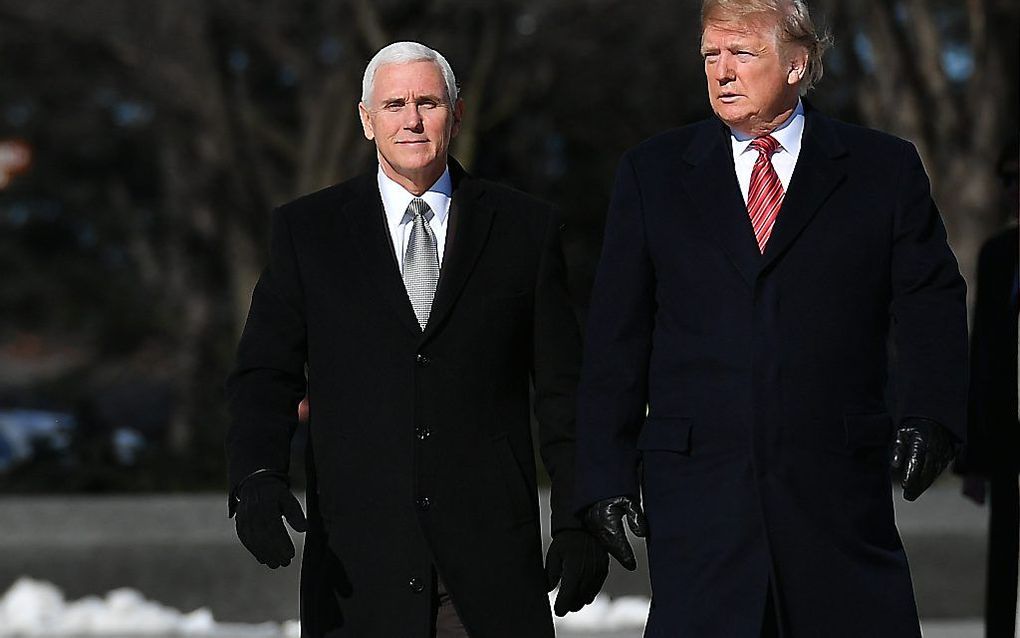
point(423, 303)
point(759, 272)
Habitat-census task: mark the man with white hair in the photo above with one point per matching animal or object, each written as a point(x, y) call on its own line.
point(758, 270)
point(423, 304)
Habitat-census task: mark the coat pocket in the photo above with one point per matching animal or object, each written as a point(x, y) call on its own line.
point(868, 430)
point(669, 434)
point(511, 302)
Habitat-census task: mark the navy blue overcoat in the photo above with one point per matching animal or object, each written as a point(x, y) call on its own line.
point(745, 394)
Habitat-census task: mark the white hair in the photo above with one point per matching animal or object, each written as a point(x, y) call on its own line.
point(404, 53)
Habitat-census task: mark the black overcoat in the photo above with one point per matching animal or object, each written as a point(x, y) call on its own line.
point(764, 454)
point(420, 447)
point(993, 441)
point(993, 433)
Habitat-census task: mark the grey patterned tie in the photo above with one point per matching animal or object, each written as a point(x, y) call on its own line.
point(421, 261)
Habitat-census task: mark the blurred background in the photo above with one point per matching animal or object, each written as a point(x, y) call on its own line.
point(143, 145)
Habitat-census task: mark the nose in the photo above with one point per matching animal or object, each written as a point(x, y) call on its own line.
point(723, 68)
point(413, 120)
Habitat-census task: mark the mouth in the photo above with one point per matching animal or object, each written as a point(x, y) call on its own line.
point(412, 142)
point(729, 98)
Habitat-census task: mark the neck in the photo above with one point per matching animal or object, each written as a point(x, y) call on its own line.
point(414, 182)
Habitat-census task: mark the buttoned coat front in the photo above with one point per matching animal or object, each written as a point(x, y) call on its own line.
point(420, 450)
point(745, 393)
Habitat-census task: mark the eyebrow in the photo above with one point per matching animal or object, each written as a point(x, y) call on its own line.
point(730, 45)
point(419, 99)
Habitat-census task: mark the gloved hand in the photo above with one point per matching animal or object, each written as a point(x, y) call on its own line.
point(262, 500)
point(922, 450)
point(576, 558)
point(604, 519)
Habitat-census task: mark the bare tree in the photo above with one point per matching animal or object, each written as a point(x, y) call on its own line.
point(253, 102)
point(899, 56)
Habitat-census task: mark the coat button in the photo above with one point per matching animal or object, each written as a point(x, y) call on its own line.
point(422, 432)
point(424, 503)
point(422, 360)
point(415, 585)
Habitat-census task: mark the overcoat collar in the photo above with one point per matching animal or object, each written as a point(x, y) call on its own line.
point(711, 181)
point(470, 219)
point(378, 264)
point(816, 176)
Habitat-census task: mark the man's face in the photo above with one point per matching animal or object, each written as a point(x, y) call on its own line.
point(410, 117)
point(752, 79)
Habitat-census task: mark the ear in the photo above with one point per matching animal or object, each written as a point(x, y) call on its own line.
point(797, 65)
point(366, 121)
point(458, 114)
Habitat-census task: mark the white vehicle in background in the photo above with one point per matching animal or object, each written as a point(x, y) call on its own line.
point(23, 431)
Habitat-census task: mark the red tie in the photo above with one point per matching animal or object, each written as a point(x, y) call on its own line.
point(765, 194)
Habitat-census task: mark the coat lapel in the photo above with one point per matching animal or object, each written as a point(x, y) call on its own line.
point(712, 183)
point(470, 220)
point(817, 174)
point(379, 266)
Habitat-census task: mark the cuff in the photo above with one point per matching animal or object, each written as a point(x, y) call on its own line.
point(233, 499)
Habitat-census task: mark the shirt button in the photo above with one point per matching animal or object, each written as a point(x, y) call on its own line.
point(424, 503)
point(415, 585)
point(422, 432)
point(422, 360)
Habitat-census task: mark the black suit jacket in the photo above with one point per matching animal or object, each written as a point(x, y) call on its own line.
point(420, 445)
point(765, 448)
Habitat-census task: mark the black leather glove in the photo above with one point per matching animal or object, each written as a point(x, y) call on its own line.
point(576, 558)
point(922, 450)
point(262, 500)
point(604, 519)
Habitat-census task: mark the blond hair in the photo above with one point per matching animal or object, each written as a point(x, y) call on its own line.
point(793, 26)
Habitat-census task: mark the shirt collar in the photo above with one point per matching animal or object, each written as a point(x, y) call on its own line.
point(396, 198)
point(788, 134)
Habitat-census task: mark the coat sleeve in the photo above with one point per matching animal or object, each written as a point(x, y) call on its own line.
point(928, 307)
point(613, 392)
point(268, 380)
point(555, 363)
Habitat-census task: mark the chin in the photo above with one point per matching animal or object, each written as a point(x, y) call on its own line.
point(730, 115)
point(418, 161)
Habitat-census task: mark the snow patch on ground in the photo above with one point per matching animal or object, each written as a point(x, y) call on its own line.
point(36, 608)
point(32, 608)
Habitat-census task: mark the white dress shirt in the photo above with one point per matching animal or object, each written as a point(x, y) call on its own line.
point(784, 160)
point(395, 199)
